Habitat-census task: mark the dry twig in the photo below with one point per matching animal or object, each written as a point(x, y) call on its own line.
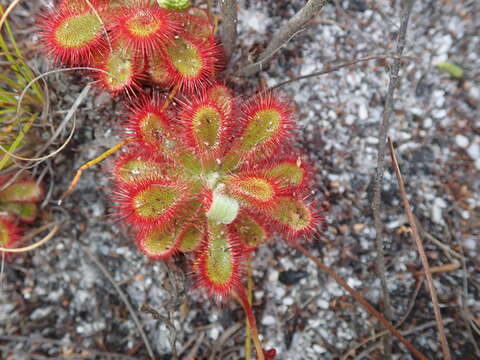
point(228, 9)
point(192, 355)
point(384, 126)
point(362, 301)
point(167, 321)
point(31, 235)
point(330, 69)
point(447, 249)
point(414, 330)
point(217, 346)
point(284, 35)
point(66, 344)
point(124, 299)
point(421, 251)
point(439, 269)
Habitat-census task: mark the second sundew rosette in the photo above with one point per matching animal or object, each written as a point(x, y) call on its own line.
point(133, 44)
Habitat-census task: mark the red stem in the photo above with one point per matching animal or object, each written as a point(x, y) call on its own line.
point(242, 298)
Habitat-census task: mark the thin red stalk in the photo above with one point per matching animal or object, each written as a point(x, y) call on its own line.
point(362, 302)
point(242, 298)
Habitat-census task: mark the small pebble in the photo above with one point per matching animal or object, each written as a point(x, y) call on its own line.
point(461, 141)
point(288, 301)
point(474, 150)
point(268, 320)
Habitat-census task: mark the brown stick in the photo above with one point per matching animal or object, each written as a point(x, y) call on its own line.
point(123, 297)
point(421, 251)
point(341, 66)
point(439, 269)
point(286, 32)
point(382, 134)
point(228, 9)
point(370, 309)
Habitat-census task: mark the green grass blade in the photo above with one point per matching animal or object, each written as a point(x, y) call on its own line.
point(18, 140)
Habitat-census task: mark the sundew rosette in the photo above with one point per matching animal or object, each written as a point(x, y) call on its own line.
point(213, 178)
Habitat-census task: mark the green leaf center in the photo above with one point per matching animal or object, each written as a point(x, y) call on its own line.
point(78, 31)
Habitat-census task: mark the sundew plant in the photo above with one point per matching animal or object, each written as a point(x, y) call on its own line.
point(206, 174)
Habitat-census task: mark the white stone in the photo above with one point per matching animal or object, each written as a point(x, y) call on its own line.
point(256, 20)
point(323, 304)
point(416, 111)
point(268, 320)
point(40, 313)
point(439, 113)
point(288, 301)
point(362, 112)
point(279, 292)
point(438, 205)
point(273, 276)
point(352, 282)
point(427, 123)
point(372, 140)
point(474, 150)
point(470, 243)
point(461, 141)
point(349, 119)
point(214, 333)
point(477, 164)
point(318, 349)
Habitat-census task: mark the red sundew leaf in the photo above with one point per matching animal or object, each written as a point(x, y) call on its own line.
point(9, 232)
point(190, 238)
point(121, 69)
point(72, 37)
point(291, 173)
point(286, 167)
point(81, 5)
point(191, 64)
point(157, 70)
point(26, 212)
point(198, 13)
point(149, 125)
point(267, 124)
point(206, 198)
point(158, 244)
point(136, 165)
point(217, 267)
point(25, 191)
point(249, 231)
point(195, 25)
point(223, 98)
point(256, 190)
point(205, 125)
point(153, 203)
point(294, 217)
point(144, 27)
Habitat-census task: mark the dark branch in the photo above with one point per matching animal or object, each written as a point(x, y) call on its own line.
point(228, 9)
point(331, 69)
point(286, 32)
point(382, 138)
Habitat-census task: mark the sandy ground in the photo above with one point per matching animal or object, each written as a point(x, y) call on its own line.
point(59, 296)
